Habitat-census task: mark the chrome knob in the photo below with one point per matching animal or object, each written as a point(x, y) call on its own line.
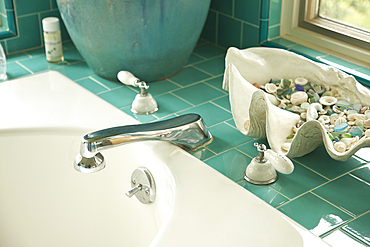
point(134, 190)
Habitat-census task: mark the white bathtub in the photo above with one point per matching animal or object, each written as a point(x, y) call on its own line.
point(45, 202)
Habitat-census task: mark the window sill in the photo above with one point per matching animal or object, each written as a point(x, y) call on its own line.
point(361, 73)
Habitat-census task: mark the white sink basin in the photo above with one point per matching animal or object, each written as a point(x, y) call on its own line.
point(45, 202)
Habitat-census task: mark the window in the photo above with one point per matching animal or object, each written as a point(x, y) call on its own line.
point(337, 27)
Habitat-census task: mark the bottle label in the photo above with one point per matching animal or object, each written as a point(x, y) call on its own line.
point(53, 46)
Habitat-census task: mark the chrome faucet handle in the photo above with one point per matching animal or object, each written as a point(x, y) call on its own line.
point(134, 190)
point(144, 186)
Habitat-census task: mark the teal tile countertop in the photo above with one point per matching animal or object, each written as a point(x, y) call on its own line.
point(328, 197)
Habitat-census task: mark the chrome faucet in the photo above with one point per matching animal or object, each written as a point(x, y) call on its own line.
point(187, 131)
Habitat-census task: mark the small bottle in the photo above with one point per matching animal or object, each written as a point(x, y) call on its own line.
point(2, 64)
point(53, 40)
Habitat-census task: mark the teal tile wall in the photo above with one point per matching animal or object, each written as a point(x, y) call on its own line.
point(29, 14)
point(328, 197)
point(325, 196)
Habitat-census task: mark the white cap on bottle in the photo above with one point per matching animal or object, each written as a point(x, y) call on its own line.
point(50, 24)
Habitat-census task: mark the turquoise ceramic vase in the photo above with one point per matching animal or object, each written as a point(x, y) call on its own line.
point(152, 39)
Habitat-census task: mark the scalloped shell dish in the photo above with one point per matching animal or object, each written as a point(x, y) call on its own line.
point(256, 116)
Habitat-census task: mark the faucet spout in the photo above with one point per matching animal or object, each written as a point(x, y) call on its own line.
point(187, 131)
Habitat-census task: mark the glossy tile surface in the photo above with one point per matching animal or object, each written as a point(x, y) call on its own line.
point(359, 228)
point(337, 193)
point(348, 192)
point(315, 214)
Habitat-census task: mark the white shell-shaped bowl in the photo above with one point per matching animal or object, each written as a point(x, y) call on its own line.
point(255, 115)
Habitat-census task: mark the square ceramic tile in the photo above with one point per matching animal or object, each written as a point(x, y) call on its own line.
point(108, 83)
point(161, 87)
point(226, 137)
point(39, 63)
point(77, 71)
point(23, 7)
point(210, 113)
point(216, 82)
point(363, 173)
point(298, 182)
point(168, 104)
point(223, 102)
point(209, 51)
point(348, 193)
point(321, 162)
point(266, 193)
point(14, 70)
point(231, 163)
point(29, 34)
point(250, 36)
point(210, 27)
point(215, 66)
point(198, 93)
point(194, 59)
point(229, 31)
point(314, 214)
point(119, 97)
point(16, 57)
point(359, 228)
point(223, 6)
point(188, 76)
point(248, 11)
point(340, 239)
point(91, 85)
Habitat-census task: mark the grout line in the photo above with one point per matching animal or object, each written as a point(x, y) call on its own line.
point(310, 169)
point(341, 209)
point(101, 84)
point(17, 62)
point(182, 99)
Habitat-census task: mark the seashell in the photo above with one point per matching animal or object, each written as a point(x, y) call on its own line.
point(324, 119)
point(367, 123)
point(336, 109)
point(266, 120)
point(367, 133)
point(328, 100)
point(356, 117)
point(286, 146)
point(270, 88)
point(298, 98)
point(295, 129)
point(340, 147)
point(363, 109)
point(301, 81)
point(351, 123)
point(312, 113)
point(367, 114)
point(299, 123)
point(348, 141)
point(318, 88)
point(340, 120)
